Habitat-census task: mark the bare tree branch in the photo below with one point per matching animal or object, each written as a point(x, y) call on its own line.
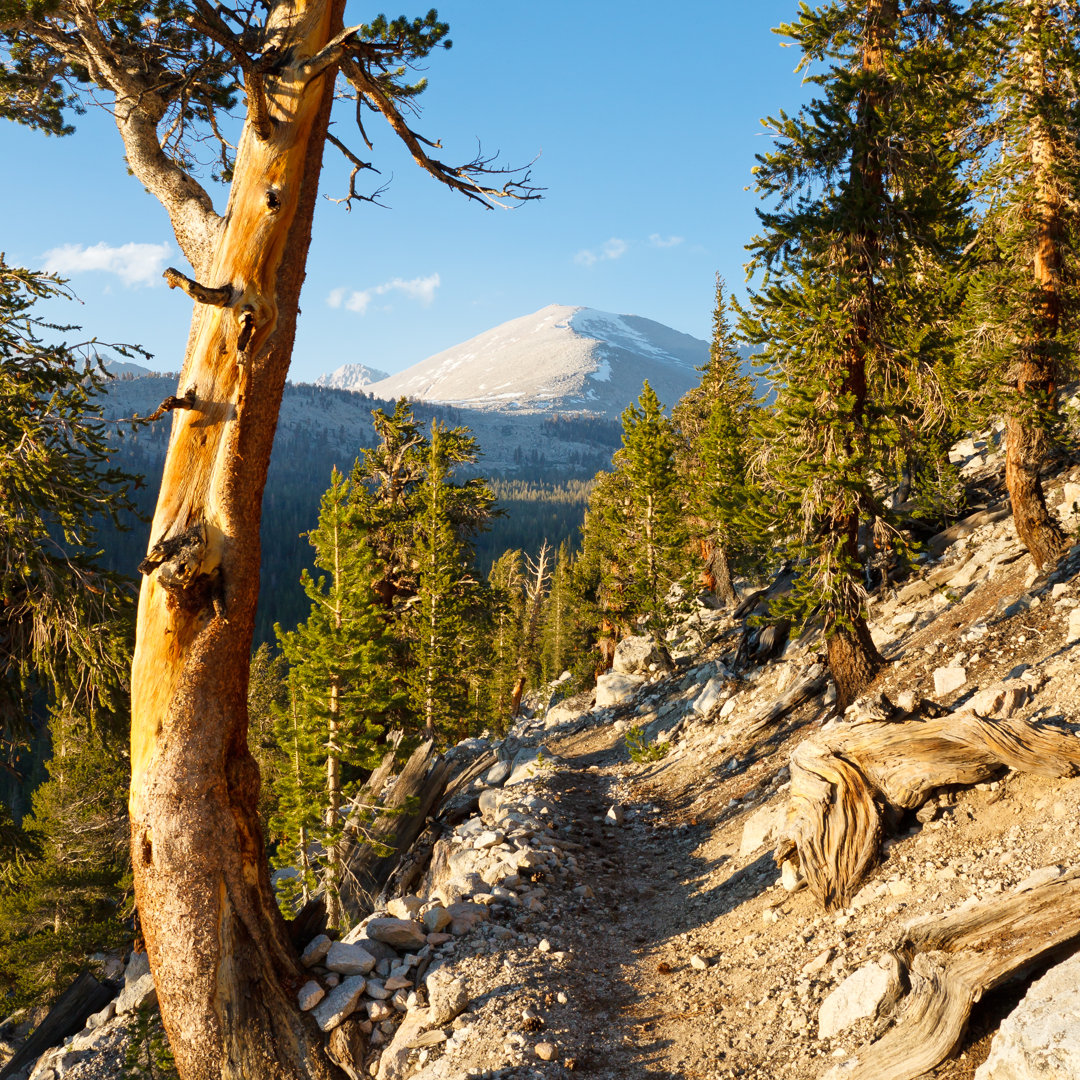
point(358, 166)
point(461, 178)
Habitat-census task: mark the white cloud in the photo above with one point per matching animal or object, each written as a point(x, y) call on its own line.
point(134, 264)
point(665, 241)
point(615, 248)
point(421, 289)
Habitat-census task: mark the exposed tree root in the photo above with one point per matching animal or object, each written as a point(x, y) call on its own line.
point(843, 778)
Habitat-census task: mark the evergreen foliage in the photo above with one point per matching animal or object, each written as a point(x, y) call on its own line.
point(713, 427)
point(65, 876)
point(65, 624)
point(853, 312)
point(1021, 322)
point(338, 692)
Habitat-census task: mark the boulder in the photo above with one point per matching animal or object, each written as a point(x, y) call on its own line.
point(948, 679)
point(562, 713)
point(349, 959)
point(448, 997)
point(862, 994)
point(529, 762)
point(399, 933)
point(341, 1002)
point(1040, 1038)
point(615, 688)
point(709, 696)
point(633, 655)
point(1001, 700)
point(138, 985)
point(761, 828)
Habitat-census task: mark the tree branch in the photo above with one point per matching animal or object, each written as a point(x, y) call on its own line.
point(358, 166)
point(221, 296)
point(461, 178)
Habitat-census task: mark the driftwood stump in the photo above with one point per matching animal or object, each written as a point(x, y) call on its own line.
point(845, 777)
point(950, 961)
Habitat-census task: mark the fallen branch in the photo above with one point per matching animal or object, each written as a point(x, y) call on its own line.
point(952, 960)
point(841, 776)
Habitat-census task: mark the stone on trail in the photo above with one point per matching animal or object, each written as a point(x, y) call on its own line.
point(633, 655)
point(309, 995)
point(709, 696)
point(860, 995)
point(762, 827)
point(948, 679)
point(616, 688)
point(316, 951)
point(447, 997)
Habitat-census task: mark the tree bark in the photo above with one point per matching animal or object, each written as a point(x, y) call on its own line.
point(1034, 373)
point(225, 970)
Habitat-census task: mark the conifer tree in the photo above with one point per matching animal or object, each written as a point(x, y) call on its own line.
point(866, 224)
point(64, 623)
point(446, 599)
point(1022, 317)
point(339, 692)
point(507, 583)
point(652, 517)
point(712, 425)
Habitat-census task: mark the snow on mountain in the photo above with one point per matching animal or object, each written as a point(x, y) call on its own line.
point(351, 377)
point(124, 367)
point(559, 359)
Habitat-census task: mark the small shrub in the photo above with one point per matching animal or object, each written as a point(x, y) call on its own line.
point(640, 749)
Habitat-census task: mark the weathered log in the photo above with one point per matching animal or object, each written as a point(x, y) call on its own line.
point(804, 690)
point(415, 791)
point(82, 998)
point(952, 960)
point(841, 776)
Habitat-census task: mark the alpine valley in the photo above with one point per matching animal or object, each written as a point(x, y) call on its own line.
point(542, 394)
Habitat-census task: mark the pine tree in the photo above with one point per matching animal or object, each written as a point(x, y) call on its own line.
point(338, 693)
point(507, 583)
point(1022, 319)
point(65, 889)
point(857, 253)
point(652, 517)
point(436, 619)
point(65, 625)
point(713, 424)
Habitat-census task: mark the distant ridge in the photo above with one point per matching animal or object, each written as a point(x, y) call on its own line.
point(559, 359)
point(351, 377)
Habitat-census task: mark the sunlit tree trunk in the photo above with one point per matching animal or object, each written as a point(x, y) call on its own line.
point(1034, 373)
point(225, 970)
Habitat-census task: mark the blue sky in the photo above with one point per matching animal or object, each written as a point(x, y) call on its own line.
point(646, 125)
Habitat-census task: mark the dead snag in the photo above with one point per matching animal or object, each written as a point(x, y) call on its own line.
point(952, 960)
point(844, 776)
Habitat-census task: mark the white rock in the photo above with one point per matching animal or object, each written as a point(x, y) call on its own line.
point(860, 995)
point(1002, 700)
point(616, 688)
point(137, 994)
point(791, 877)
point(349, 959)
point(309, 995)
point(340, 1003)
point(405, 907)
point(948, 679)
point(1040, 1038)
point(761, 828)
point(1039, 877)
point(447, 997)
point(615, 815)
point(709, 696)
point(529, 763)
point(1073, 632)
point(400, 933)
point(633, 655)
point(316, 951)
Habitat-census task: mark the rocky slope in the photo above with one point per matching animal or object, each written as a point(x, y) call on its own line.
point(586, 912)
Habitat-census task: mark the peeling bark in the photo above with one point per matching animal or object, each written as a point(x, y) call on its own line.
point(224, 967)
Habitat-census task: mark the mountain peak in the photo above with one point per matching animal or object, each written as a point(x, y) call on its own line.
point(558, 359)
point(351, 377)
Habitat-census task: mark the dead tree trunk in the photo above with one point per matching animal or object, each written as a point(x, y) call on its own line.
point(225, 971)
point(841, 777)
point(952, 960)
